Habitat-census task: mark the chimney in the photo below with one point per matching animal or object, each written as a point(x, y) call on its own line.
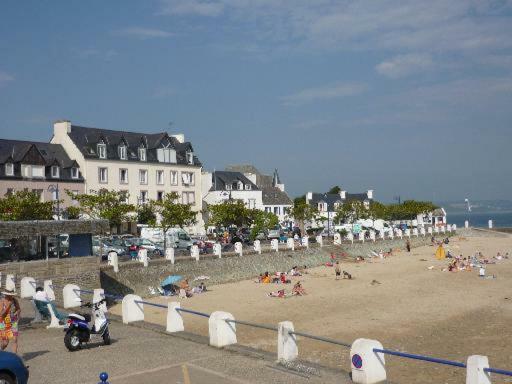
point(343, 195)
point(61, 127)
point(180, 137)
point(370, 194)
point(309, 197)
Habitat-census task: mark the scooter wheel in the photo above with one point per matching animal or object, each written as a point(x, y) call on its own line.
point(72, 340)
point(106, 337)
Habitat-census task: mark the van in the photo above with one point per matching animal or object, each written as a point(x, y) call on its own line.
point(176, 237)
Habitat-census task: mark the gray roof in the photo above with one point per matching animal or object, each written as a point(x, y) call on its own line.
point(36, 153)
point(332, 198)
point(222, 178)
point(86, 140)
point(274, 196)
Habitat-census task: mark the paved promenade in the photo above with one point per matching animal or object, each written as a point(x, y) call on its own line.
point(143, 355)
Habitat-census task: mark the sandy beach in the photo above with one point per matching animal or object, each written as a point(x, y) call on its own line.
point(398, 301)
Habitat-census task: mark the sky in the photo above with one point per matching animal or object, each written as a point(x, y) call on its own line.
point(409, 98)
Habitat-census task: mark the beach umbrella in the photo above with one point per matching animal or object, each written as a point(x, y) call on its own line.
point(171, 279)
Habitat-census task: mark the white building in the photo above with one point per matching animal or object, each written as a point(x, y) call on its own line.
point(145, 165)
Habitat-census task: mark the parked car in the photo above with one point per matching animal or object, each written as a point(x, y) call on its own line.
point(275, 233)
point(104, 247)
point(139, 243)
point(12, 369)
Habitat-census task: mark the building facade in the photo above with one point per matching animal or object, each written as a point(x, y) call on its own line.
point(43, 168)
point(147, 166)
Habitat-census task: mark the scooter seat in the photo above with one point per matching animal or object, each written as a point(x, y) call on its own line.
point(83, 317)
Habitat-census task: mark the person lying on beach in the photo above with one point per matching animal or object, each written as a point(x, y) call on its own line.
point(281, 293)
point(347, 275)
point(298, 290)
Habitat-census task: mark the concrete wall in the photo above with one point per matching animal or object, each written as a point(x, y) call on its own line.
point(43, 184)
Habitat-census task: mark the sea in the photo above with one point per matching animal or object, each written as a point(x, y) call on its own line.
point(481, 219)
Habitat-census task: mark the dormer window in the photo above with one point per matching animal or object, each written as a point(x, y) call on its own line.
point(228, 187)
point(190, 157)
point(74, 173)
point(122, 152)
point(55, 171)
point(142, 154)
point(9, 169)
point(166, 155)
point(102, 151)
point(247, 187)
point(240, 186)
point(322, 207)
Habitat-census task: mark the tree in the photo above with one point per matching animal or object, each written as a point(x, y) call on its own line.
point(145, 214)
point(25, 205)
point(72, 212)
point(262, 222)
point(335, 190)
point(172, 214)
point(409, 209)
point(230, 213)
point(302, 212)
point(105, 204)
point(351, 211)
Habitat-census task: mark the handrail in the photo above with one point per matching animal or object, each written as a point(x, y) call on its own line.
point(421, 357)
point(320, 338)
point(498, 371)
point(192, 312)
point(150, 303)
point(255, 325)
point(84, 291)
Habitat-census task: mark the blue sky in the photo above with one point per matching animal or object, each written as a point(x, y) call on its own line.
point(403, 97)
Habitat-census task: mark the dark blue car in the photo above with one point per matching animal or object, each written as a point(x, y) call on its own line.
point(12, 369)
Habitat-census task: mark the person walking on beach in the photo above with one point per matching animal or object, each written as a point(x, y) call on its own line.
point(337, 270)
point(9, 315)
point(408, 245)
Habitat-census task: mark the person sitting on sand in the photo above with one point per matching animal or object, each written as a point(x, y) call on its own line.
point(284, 280)
point(295, 271)
point(298, 290)
point(266, 278)
point(281, 293)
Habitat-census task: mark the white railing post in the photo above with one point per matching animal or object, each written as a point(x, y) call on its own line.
point(27, 287)
point(257, 246)
point(372, 236)
point(113, 260)
point(466, 224)
point(169, 254)
point(305, 241)
point(290, 243)
point(239, 248)
point(174, 318)
point(132, 311)
point(54, 321)
point(490, 224)
point(48, 289)
point(337, 239)
point(287, 349)
point(475, 370)
point(217, 250)
point(143, 256)
point(368, 367)
point(10, 282)
point(350, 237)
point(194, 252)
point(320, 240)
point(221, 332)
point(71, 296)
point(97, 296)
point(454, 227)
point(274, 245)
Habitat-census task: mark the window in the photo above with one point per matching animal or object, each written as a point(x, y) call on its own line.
point(143, 198)
point(37, 171)
point(187, 178)
point(188, 198)
point(74, 173)
point(103, 175)
point(166, 155)
point(142, 154)
point(159, 195)
point(240, 186)
point(26, 170)
point(251, 203)
point(122, 152)
point(123, 176)
point(102, 151)
point(174, 177)
point(228, 187)
point(337, 204)
point(55, 171)
point(160, 177)
point(268, 209)
point(9, 169)
point(322, 207)
point(277, 210)
point(39, 193)
point(75, 193)
point(126, 196)
point(143, 176)
point(247, 187)
point(190, 157)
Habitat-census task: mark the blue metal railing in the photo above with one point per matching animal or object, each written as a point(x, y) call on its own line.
point(203, 314)
point(151, 304)
point(498, 371)
point(421, 357)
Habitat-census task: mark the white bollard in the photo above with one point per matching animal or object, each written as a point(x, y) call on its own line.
point(337, 239)
point(372, 236)
point(475, 370)
point(350, 237)
point(287, 349)
point(257, 246)
point(305, 242)
point(143, 256)
point(448, 228)
point(239, 248)
point(194, 252)
point(320, 240)
point(71, 296)
point(490, 224)
point(415, 232)
point(391, 234)
point(27, 287)
point(132, 311)
point(361, 236)
point(454, 228)
point(221, 332)
point(54, 321)
point(466, 224)
point(97, 296)
point(113, 260)
point(169, 254)
point(217, 250)
point(174, 318)
point(10, 283)
point(399, 234)
point(436, 229)
point(368, 367)
point(48, 289)
point(290, 244)
point(443, 229)
point(274, 245)
point(408, 233)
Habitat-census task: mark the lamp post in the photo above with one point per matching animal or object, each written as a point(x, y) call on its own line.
point(468, 206)
point(55, 189)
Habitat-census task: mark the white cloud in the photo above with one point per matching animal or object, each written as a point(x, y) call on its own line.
point(5, 78)
point(191, 7)
point(142, 33)
point(323, 93)
point(404, 65)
